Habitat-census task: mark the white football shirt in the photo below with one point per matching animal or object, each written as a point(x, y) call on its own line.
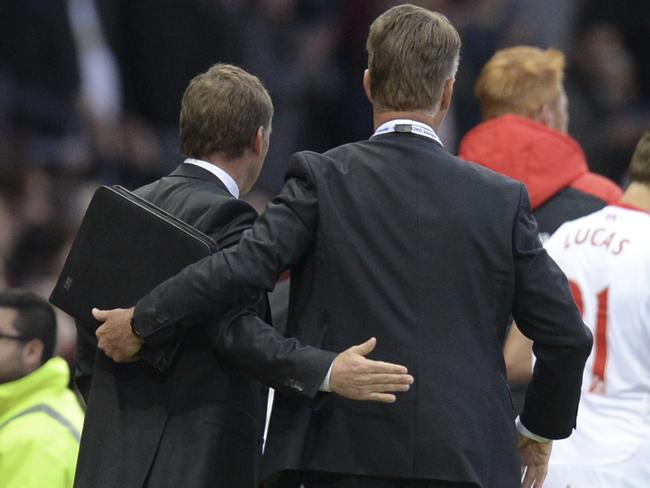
point(606, 257)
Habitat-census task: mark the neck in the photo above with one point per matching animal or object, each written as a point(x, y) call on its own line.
point(382, 116)
point(235, 167)
point(637, 195)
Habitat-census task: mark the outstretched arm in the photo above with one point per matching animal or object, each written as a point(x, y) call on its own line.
point(279, 361)
point(228, 279)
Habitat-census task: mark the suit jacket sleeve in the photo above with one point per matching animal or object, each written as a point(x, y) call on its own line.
point(545, 312)
point(242, 337)
point(230, 277)
point(228, 220)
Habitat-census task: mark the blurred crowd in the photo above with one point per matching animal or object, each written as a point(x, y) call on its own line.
point(90, 93)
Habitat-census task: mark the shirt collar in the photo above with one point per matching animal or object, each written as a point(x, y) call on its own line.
point(628, 206)
point(54, 375)
point(224, 177)
point(408, 125)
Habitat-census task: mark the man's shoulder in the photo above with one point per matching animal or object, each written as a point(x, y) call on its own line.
point(203, 204)
point(445, 164)
point(174, 186)
point(332, 155)
point(480, 177)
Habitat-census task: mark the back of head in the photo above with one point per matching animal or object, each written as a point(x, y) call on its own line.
point(411, 52)
point(640, 164)
point(35, 318)
point(519, 80)
point(221, 111)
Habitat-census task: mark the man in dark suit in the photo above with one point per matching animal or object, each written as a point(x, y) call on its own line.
point(396, 237)
point(189, 414)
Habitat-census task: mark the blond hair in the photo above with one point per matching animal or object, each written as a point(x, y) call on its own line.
point(640, 163)
point(221, 111)
point(519, 80)
point(411, 52)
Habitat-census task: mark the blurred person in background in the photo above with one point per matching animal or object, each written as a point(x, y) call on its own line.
point(7, 237)
point(38, 227)
point(524, 136)
point(40, 418)
point(292, 46)
point(606, 257)
point(157, 46)
point(40, 78)
point(609, 108)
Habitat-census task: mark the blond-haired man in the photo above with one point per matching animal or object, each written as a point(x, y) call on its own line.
point(524, 136)
point(188, 413)
point(606, 256)
point(395, 236)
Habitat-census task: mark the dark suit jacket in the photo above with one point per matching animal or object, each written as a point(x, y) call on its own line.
point(396, 238)
point(197, 419)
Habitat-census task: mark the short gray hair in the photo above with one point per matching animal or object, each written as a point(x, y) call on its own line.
point(411, 52)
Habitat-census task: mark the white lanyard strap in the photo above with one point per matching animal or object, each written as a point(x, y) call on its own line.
point(405, 126)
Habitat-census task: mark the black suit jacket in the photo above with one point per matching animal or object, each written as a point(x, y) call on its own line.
point(396, 238)
point(195, 418)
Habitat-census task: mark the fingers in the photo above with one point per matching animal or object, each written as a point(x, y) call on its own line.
point(387, 379)
point(535, 476)
point(100, 315)
point(396, 387)
point(374, 380)
point(542, 471)
point(529, 477)
point(380, 397)
point(98, 333)
point(365, 348)
point(378, 367)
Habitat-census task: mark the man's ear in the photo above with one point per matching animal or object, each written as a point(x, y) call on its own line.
point(447, 94)
point(544, 115)
point(32, 354)
point(366, 84)
point(258, 141)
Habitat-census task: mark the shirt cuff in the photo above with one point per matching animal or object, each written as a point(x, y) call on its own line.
point(527, 433)
point(325, 385)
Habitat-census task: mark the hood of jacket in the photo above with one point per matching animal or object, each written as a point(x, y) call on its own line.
point(544, 159)
point(51, 377)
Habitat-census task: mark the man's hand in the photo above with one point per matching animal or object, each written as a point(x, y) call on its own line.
point(534, 461)
point(357, 378)
point(115, 336)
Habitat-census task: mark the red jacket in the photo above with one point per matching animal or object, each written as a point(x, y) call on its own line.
point(545, 160)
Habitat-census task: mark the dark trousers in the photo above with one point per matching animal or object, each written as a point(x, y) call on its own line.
point(332, 480)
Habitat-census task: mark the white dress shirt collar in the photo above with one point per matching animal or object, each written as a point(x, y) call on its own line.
point(224, 177)
point(407, 125)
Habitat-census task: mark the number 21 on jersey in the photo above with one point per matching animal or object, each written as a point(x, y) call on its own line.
point(600, 336)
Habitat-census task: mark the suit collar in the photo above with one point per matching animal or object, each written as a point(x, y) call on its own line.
point(219, 172)
point(185, 170)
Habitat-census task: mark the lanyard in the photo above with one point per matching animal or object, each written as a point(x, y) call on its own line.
point(405, 126)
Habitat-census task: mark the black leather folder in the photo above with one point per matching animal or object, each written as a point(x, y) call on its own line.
point(124, 247)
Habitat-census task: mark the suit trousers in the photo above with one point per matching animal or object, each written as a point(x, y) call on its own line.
point(317, 479)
